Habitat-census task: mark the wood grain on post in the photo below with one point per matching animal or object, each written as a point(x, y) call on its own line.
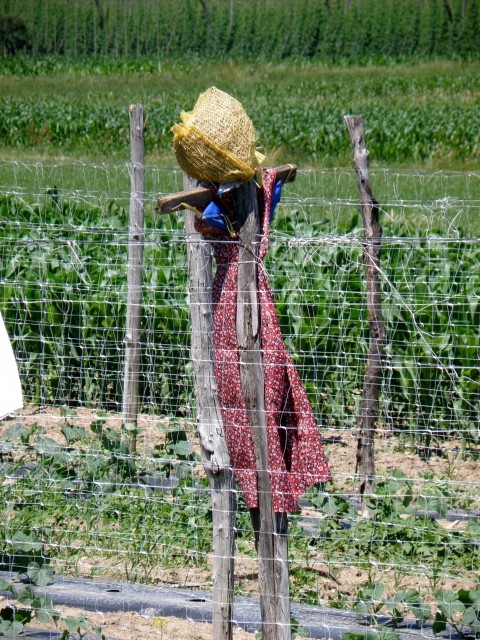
point(210, 427)
point(271, 548)
point(134, 276)
point(365, 467)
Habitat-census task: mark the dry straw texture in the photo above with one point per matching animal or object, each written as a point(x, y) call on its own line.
point(216, 141)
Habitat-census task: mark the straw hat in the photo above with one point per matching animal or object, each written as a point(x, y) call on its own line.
point(216, 141)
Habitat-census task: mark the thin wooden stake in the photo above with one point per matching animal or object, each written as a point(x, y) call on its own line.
point(365, 467)
point(271, 529)
point(210, 427)
point(134, 277)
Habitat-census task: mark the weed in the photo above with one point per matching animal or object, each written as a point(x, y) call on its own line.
point(81, 628)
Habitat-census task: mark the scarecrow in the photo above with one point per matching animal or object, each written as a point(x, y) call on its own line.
point(216, 144)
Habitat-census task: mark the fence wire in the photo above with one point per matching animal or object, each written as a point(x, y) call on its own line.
point(73, 494)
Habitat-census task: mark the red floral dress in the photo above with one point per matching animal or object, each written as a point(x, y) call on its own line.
point(296, 458)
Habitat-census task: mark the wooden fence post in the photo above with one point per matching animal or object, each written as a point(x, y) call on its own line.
point(134, 277)
point(270, 528)
point(210, 426)
point(365, 467)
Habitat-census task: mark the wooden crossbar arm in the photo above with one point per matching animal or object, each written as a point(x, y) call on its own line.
point(201, 196)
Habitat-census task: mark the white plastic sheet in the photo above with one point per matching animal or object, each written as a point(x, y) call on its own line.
point(10, 387)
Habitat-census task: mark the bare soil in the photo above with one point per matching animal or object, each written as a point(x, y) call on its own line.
point(390, 451)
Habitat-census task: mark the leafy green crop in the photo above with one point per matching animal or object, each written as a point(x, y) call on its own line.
point(414, 115)
point(94, 502)
point(13, 619)
point(77, 316)
point(459, 610)
point(64, 290)
point(98, 484)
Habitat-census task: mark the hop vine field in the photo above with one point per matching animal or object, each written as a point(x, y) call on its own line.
point(332, 30)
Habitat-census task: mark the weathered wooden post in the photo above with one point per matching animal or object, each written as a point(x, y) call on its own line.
point(272, 540)
point(215, 456)
point(270, 529)
point(365, 467)
point(134, 276)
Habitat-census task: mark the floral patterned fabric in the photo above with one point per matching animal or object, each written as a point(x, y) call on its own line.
point(296, 458)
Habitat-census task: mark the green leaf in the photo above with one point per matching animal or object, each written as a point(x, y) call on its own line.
point(473, 527)
point(23, 542)
point(16, 431)
point(47, 445)
point(432, 503)
point(40, 575)
point(183, 471)
point(72, 433)
point(413, 601)
point(448, 603)
point(27, 596)
point(384, 633)
point(422, 613)
point(131, 428)
point(7, 613)
point(76, 624)
point(45, 616)
point(373, 591)
point(44, 610)
point(7, 587)
point(182, 448)
point(361, 607)
point(10, 629)
point(471, 618)
point(97, 427)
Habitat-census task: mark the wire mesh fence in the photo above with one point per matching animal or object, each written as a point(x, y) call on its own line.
point(77, 501)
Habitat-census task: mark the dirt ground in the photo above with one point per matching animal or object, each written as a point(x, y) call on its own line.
point(133, 626)
point(391, 453)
